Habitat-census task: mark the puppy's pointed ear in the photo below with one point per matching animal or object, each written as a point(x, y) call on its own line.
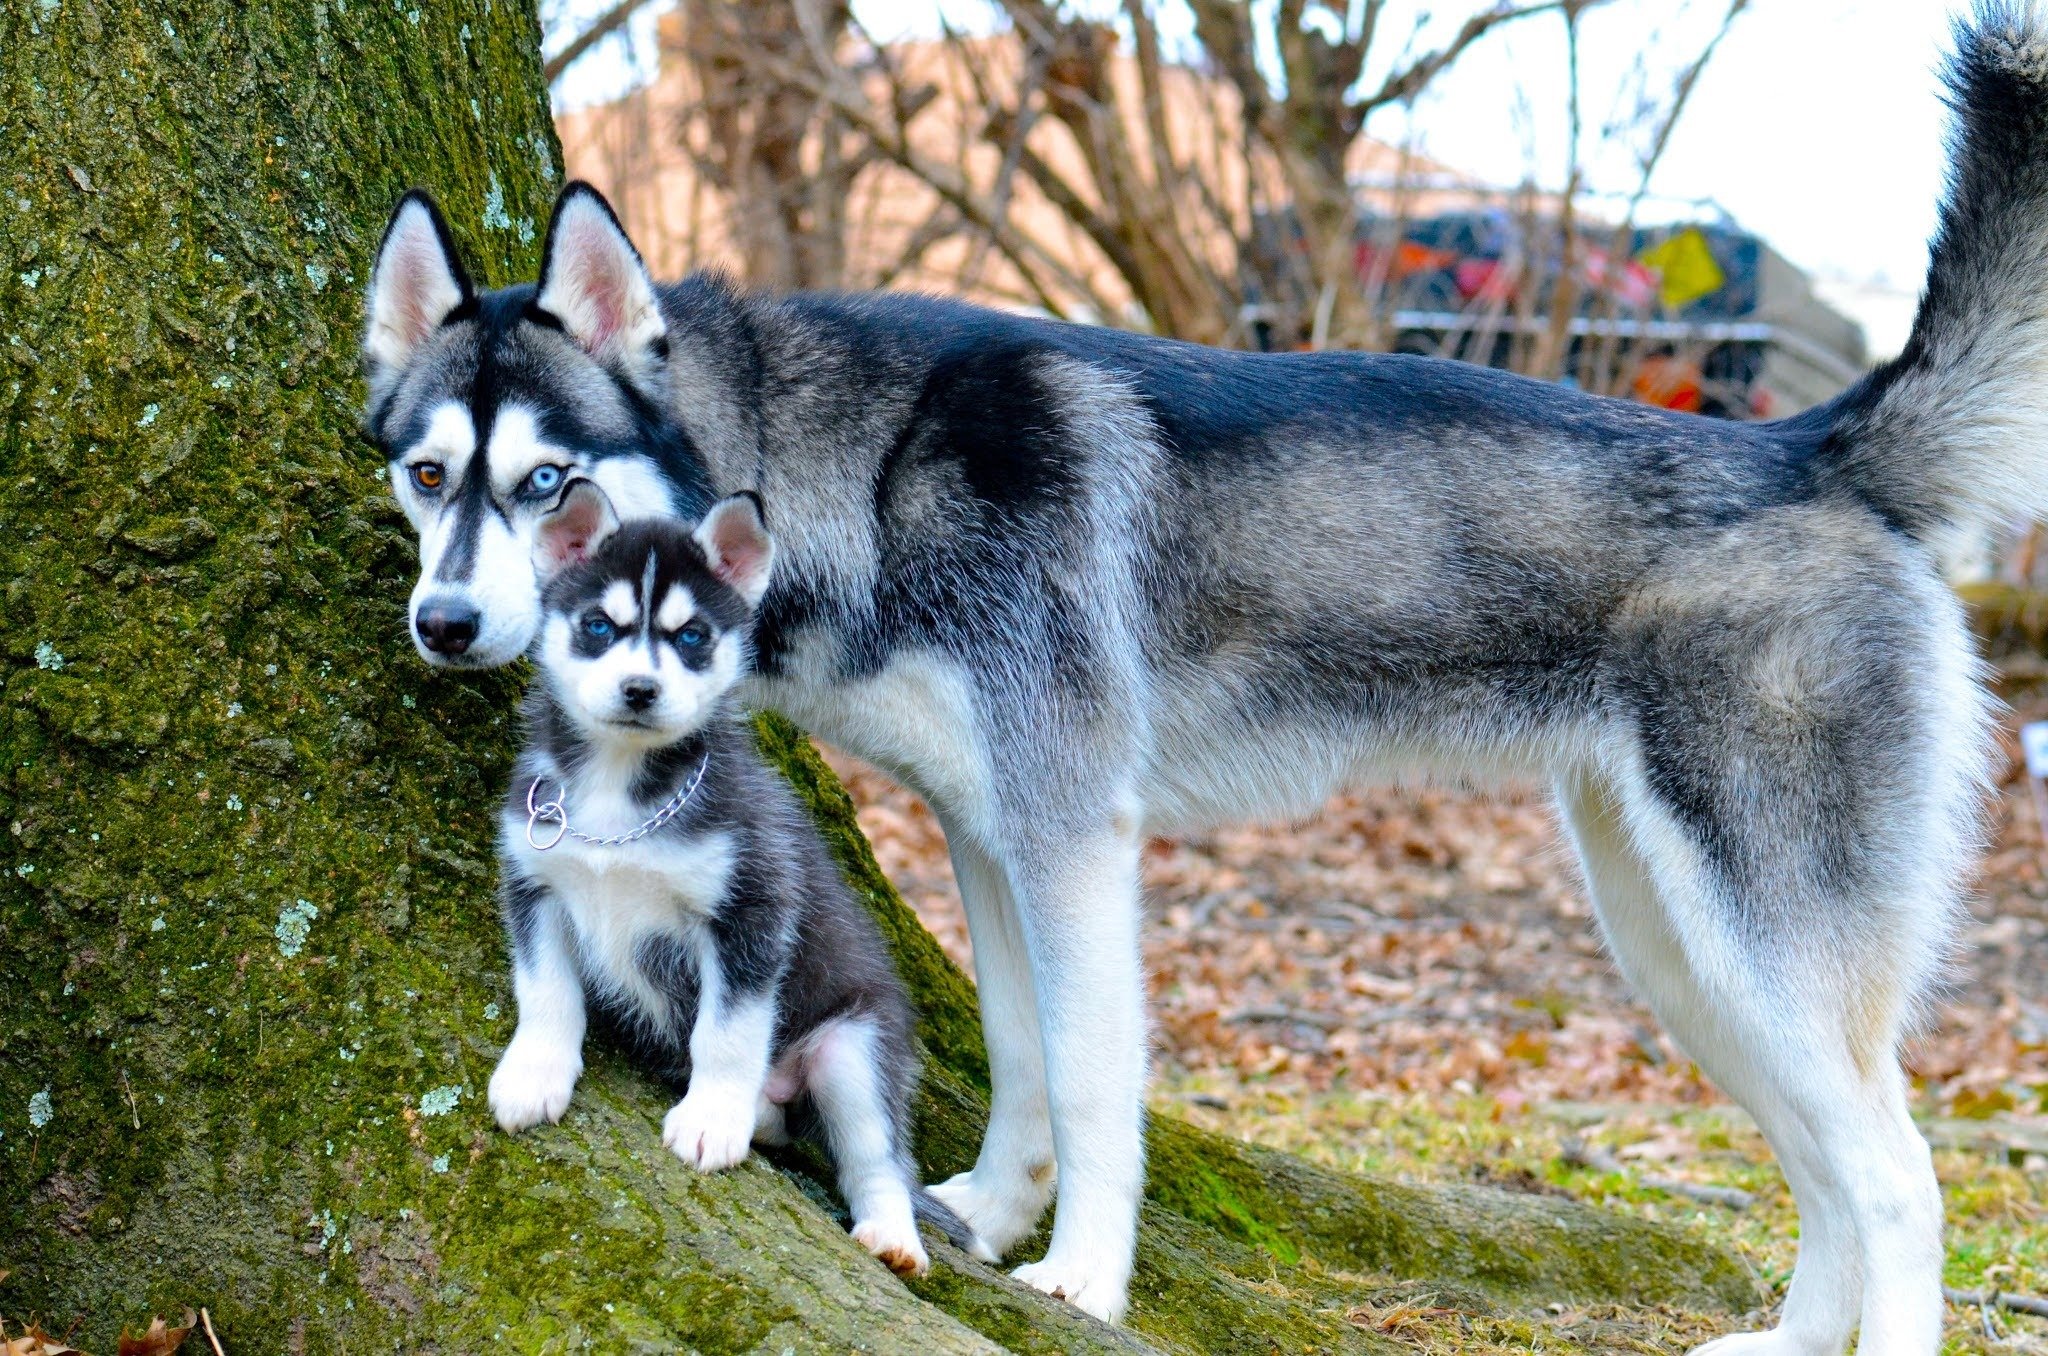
point(737, 545)
point(593, 281)
point(574, 528)
point(416, 284)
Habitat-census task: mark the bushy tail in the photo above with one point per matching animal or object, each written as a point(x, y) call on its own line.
point(1953, 433)
point(929, 1209)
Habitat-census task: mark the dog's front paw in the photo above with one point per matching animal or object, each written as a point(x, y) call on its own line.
point(1100, 1291)
point(533, 1083)
point(1000, 1214)
point(712, 1126)
point(895, 1242)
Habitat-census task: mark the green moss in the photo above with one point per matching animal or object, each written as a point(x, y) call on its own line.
point(260, 1120)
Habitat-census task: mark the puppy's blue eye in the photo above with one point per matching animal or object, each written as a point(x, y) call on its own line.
point(597, 626)
point(693, 635)
point(544, 479)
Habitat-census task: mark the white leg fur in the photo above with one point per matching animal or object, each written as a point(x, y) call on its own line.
point(1081, 927)
point(713, 1126)
point(1004, 1194)
point(1870, 1211)
point(537, 1074)
point(849, 1092)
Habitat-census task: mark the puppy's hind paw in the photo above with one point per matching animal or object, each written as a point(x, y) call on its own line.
point(896, 1246)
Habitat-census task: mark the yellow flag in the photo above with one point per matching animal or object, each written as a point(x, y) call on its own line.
point(1686, 268)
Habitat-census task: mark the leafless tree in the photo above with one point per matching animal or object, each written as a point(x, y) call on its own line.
point(1070, 161)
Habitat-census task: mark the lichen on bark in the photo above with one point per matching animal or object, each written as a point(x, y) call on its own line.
point(251, 983)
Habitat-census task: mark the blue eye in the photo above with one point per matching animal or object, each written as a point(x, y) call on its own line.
point(693, 635)
point(597, 626)
point(544, 478)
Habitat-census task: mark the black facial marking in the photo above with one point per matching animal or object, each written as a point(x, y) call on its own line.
point(458, 562)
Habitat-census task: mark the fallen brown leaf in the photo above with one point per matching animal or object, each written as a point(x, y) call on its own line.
point(38, 1343)
point(160, 1340)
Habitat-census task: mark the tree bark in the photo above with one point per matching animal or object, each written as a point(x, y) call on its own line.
point(251, 980)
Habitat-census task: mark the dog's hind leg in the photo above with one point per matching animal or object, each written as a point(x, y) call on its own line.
point(850, 1090)
point(1821, 1305)
point(1794, 1006)
point(1006, 1191)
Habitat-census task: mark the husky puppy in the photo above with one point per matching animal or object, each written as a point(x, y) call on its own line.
point(1075, 586)
point(654, 868)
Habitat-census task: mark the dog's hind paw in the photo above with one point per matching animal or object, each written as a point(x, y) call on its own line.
point(896, 1245)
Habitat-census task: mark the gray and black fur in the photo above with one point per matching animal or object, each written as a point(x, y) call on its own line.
point(1075, 585)
point(731, 907)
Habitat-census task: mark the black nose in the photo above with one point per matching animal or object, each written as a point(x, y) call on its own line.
point(639, 693)
point(445, 629)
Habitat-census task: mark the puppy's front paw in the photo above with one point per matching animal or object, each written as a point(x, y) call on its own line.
point(533, 1083)
point(712, 1126)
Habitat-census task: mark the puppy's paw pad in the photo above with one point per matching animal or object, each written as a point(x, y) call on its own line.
point(1090, 1290)
point(710, 1129)
point(897, 1247)
point(532, 1086)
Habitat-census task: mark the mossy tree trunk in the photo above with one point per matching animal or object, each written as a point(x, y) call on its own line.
point(251, 983)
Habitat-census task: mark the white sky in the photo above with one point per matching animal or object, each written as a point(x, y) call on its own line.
point(1818, 125)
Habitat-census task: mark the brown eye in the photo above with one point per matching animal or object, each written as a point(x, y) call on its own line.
point(427, 475)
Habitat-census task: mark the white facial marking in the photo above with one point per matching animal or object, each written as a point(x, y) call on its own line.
point(517, 447)
point(500, 586)
point(635, 486)
point(620, 603)
point(677, 606)
point(450, 440)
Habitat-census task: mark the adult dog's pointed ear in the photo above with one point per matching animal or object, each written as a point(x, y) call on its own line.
point(416, 284)
point(593, 281)
point(574, 528)
point(737, 545)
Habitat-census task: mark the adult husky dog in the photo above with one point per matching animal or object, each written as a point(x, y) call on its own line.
point(1076, 586)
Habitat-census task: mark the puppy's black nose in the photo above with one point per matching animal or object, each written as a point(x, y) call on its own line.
point(639, 693)
point(446, 629)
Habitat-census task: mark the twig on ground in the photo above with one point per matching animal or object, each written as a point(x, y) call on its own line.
point(207, 1319)
point(1321, 1020)
point(1579, 1153)
point(1997, 1299)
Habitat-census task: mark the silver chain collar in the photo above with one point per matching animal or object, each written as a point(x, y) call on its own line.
point(554, 812)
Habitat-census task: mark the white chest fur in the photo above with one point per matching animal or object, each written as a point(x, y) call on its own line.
point(617, 899)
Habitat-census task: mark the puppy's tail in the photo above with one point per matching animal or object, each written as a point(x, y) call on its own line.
point(1953, 433)
point(929, 1209)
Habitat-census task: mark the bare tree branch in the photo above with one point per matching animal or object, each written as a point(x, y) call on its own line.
point(606, 24)
point(1411, 79)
